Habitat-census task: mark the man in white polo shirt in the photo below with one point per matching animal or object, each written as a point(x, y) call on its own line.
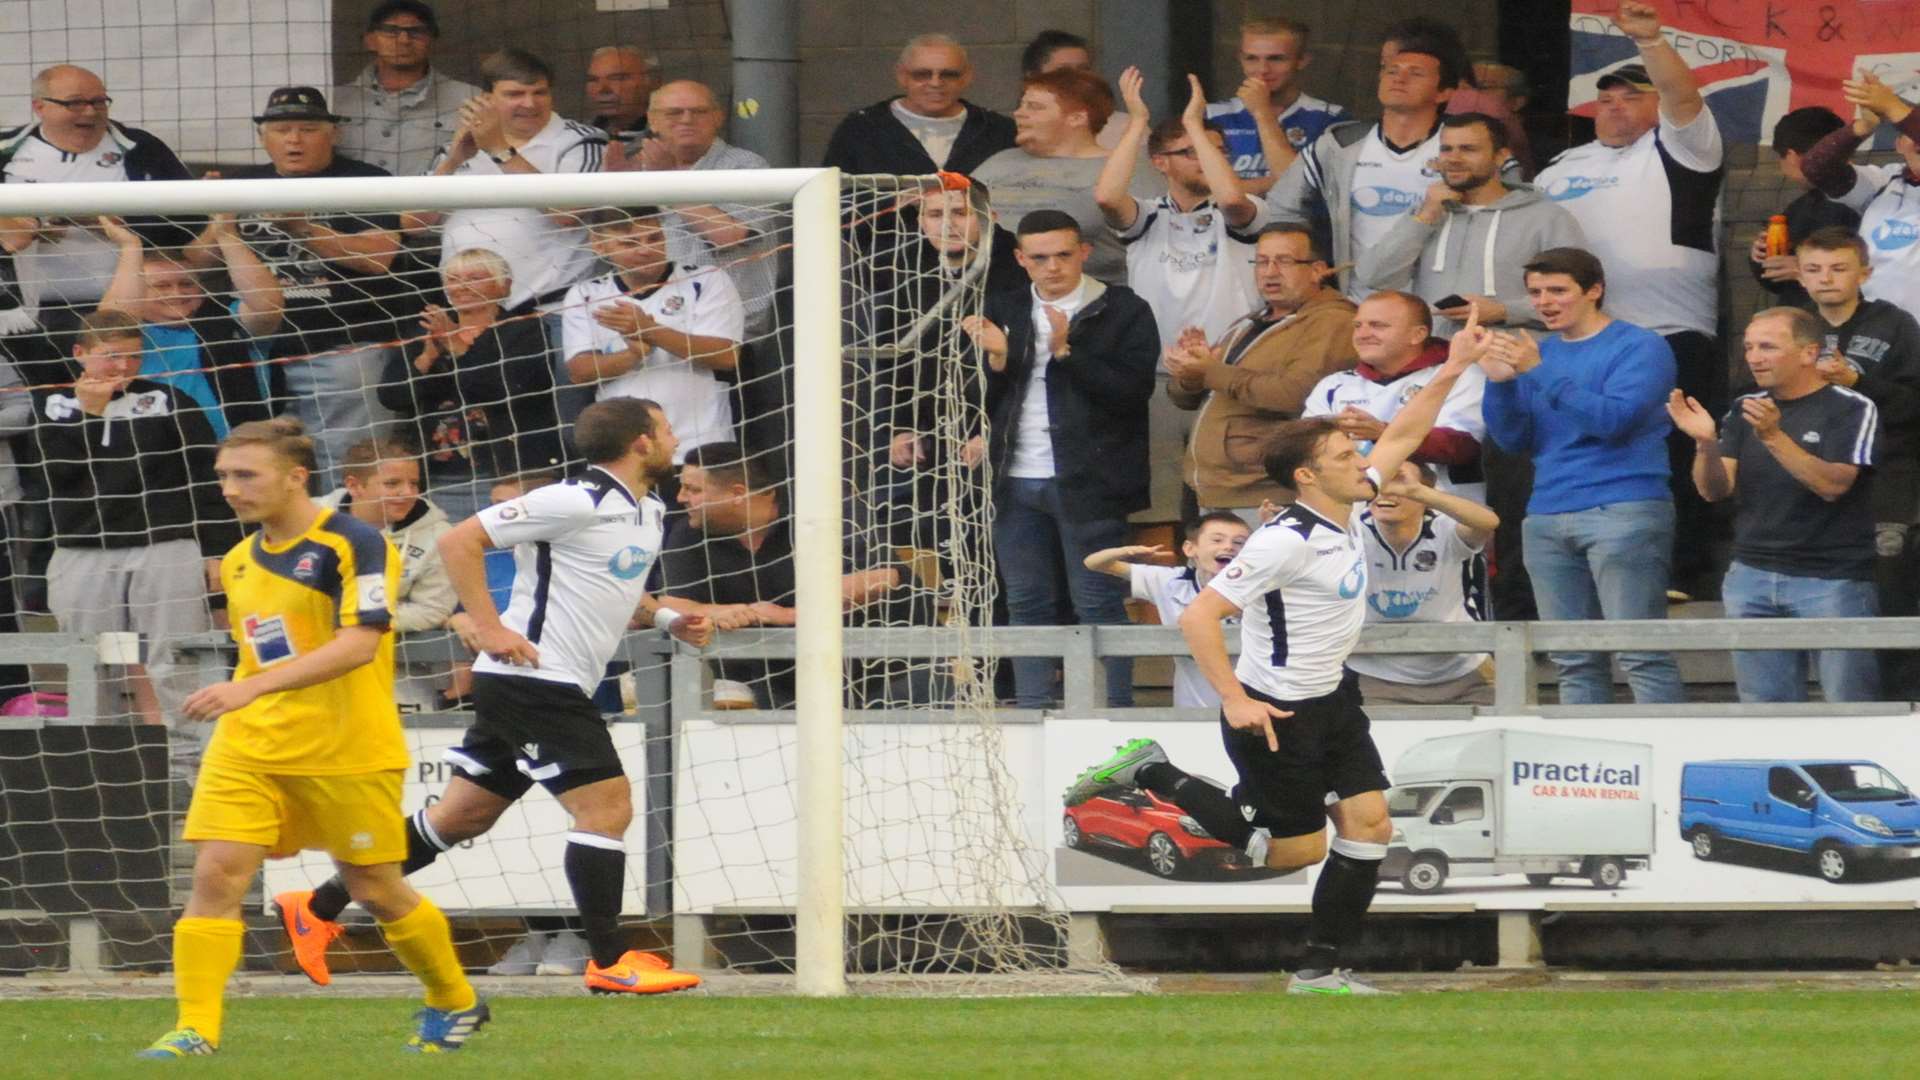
point(1190, 251)
point(654, 329)
point(1647, 193)
point(512, 130)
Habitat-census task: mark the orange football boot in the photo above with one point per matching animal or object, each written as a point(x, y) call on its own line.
point(638, 973)
point(309, 933)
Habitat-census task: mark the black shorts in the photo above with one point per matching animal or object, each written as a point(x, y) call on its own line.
point(528, 731)
point(1325, 747)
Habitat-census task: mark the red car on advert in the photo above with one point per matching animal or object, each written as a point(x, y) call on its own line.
point(1132, 820)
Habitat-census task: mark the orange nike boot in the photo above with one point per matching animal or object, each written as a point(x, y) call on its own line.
point(638, 973)
point(308, 933)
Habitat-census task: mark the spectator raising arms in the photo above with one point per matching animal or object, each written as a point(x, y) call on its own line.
point(1884, 195)
point(1190, 251)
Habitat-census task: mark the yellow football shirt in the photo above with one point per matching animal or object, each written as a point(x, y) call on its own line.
point(286, 601)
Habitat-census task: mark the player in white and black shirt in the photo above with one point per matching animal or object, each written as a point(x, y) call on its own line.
point(1290, 712)
point(582, 551)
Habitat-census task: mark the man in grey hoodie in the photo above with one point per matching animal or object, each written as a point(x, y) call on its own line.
point(1465, 246)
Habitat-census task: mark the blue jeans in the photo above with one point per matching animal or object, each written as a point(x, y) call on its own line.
point(334, 395)
point(1609, 562)
point(1034, 542)
point(1781, 674)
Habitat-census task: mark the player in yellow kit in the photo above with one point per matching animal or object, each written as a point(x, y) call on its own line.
point(308, 753)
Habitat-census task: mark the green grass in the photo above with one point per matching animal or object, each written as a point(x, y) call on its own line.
point(1617, 1034)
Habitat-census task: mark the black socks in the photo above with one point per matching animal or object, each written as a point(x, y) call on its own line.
point(1212, 808)
point(597, 871)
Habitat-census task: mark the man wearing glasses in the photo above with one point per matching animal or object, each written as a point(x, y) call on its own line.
point(683, 132)
point(66, 266)
point(400, 111)
point(1190, 251)
point(929, 126)
point(1258, 376)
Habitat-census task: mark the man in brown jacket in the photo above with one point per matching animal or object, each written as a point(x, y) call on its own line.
point(1260, 372)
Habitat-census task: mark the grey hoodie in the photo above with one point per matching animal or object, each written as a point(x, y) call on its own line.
point(1472, 250)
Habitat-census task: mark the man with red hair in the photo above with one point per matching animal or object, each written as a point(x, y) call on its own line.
point(1056, 162)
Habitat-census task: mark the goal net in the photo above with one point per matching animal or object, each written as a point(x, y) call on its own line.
point(825, 790)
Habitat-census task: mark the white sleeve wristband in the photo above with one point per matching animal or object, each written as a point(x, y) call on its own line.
point(663, 618)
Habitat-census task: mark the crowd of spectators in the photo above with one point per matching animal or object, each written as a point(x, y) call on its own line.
point(1254, 259)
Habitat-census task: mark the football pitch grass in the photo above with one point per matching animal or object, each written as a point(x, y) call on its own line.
point(1632, 1033)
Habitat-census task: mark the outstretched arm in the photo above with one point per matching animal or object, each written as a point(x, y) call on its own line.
point(1410, 426)
point(1680, 100)
point(1110, 193)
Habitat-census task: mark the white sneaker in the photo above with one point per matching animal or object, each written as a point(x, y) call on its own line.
point(1338, 982)
point(566, 955)
point(733, 694)
point(523, 958)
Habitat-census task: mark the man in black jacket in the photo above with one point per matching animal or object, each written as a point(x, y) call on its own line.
point(1793, 136)
point(138, 522)
point(1070, 370)
point(930, 127)
point(1873, 348)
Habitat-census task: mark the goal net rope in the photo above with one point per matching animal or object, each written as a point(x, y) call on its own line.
point(438, 344)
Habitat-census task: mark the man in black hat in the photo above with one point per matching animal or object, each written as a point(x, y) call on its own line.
point(334, 269)
point(1645, 192)
point(401, 110)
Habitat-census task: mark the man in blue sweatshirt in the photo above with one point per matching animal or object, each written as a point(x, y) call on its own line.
point(1587, 403)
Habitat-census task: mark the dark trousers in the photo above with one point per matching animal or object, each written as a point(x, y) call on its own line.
point(1699, 531)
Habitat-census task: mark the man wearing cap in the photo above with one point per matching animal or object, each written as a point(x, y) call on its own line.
point(1657, 162)
point(400, 111)
point(341, 301)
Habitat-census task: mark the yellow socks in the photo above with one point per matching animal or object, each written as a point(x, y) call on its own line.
point(423, 941)
point(205, 952)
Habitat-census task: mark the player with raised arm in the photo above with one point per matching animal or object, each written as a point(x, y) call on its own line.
point(308, 752)
point(582, 549)
point(1290, 714)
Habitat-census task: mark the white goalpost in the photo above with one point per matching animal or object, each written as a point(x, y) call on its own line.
point(908, 824)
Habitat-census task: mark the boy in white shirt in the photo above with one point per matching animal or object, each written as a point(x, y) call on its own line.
point(1211, 544)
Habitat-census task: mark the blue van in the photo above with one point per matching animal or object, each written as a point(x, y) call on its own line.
point(1843, 813)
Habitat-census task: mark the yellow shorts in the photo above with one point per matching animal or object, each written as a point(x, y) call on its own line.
point(355, 818)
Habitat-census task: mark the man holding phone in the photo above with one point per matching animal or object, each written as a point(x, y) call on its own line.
point(1463, 248)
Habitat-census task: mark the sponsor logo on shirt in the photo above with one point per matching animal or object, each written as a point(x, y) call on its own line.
point(269, 639)
point(1355, 581)
point(629, 562)
point(1400, 603)
point(1810, 437)
point(1573, 187)
point(1384, 201)
point(1894, 234)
